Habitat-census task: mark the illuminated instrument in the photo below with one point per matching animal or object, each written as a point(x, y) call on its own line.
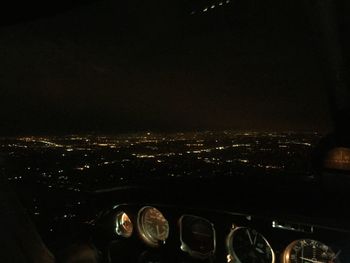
point(246, 245)
point(308, 251)
point(123, 225)
point(152, 226)
point(197, 236)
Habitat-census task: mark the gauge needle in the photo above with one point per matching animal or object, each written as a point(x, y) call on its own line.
point(250, 237)
point(255, 238)
point(311, 260)
point(336, 255)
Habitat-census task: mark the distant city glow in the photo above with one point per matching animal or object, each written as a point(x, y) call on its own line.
point(90, 161)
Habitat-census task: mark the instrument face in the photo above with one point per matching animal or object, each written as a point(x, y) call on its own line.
point(308, 251)
point(152, 226)
point(246, 245)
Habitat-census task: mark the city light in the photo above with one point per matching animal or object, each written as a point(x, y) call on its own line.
point(81, 162)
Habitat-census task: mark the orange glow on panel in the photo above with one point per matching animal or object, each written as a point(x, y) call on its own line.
point(338, 158)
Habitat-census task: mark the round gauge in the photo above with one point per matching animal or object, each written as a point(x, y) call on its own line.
point(246, 245)
point(123, 225)
point(197, 236)
point(152, 226)
point(308, 251)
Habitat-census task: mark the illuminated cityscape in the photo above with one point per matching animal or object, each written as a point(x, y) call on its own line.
point(200, 8)
point(88, 162)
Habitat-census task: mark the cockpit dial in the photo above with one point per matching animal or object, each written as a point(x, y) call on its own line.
point(309, 251)
point(246, 245)
point(152, 226)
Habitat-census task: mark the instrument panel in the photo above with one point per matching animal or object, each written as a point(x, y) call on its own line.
point(156, 233)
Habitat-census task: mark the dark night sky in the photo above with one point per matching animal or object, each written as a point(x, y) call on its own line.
point(108, 67)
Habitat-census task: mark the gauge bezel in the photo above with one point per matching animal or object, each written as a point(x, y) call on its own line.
point(288, 249)
point(145, 236)
point(184, 247)
point(119, 227)
point(231, 256)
